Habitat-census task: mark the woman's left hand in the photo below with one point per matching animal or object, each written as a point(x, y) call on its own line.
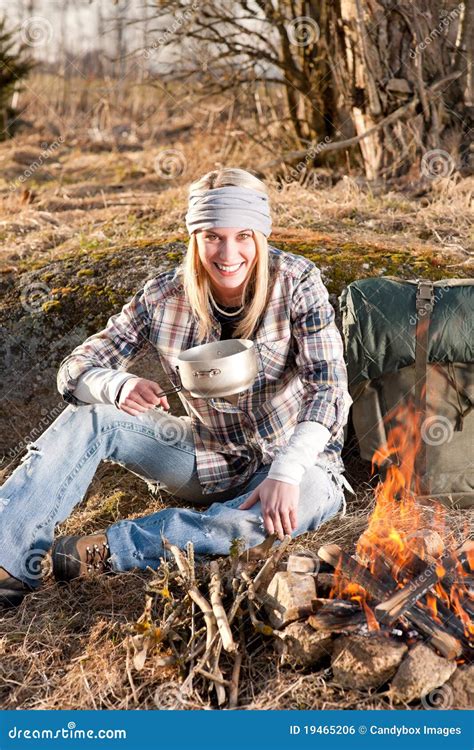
point(279, 501)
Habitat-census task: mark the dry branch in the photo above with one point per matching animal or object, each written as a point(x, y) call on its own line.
point(218, 609)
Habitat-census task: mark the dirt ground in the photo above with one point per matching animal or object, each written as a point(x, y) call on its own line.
point(78, 235)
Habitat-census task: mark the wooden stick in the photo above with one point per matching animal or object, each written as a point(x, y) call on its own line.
point(217, 679)
point(215, 587)
point(392, 608)
point(260, 551)
point(234, 681)
point(193, 591)
point(438, 637)
point(335, 614)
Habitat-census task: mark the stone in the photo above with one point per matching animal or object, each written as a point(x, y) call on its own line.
point(289, 597)
point(302, 646)
point(301, 564)
point(420, 672)
point(461, 684)
point(364, 662)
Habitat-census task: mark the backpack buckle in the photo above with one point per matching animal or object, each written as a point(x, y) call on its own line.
point(425, 297)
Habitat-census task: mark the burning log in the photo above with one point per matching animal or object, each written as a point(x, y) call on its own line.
point(436, 605)
point(336, 615)
point(446, 644)
point(405, 598)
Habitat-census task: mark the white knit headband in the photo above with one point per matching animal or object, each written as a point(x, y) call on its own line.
point(230, 206)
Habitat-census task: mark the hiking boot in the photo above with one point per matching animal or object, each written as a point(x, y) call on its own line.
point(77, 556)
point(12, 590)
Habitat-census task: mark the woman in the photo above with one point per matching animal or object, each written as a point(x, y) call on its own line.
point(267, 461)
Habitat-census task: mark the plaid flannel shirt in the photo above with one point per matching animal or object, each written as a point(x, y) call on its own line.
point(301, 371)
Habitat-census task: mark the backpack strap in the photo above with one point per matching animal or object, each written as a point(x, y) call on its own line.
point(424, 307)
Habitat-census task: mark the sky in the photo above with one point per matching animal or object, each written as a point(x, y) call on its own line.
point(49, 26)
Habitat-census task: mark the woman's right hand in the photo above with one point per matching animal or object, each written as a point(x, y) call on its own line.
point(138, 395)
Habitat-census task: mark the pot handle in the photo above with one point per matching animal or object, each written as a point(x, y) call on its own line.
point(175, 388)
point(206, 373)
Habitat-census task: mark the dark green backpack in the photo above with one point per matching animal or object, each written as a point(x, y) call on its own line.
point(412, 343)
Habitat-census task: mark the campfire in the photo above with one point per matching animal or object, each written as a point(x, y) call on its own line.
point(395, 616)
point(409, 585)
point(404, 575)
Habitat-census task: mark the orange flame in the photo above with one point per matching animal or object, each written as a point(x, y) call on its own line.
point(400, 530)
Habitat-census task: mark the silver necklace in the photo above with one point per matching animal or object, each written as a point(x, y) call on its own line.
point(230, 315)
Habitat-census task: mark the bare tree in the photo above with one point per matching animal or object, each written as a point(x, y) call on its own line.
point(391, 78)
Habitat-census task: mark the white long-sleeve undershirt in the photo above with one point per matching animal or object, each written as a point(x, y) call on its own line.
point(307, 441)
point(100, 385)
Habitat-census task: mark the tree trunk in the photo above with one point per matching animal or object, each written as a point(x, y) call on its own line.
point(394, 53)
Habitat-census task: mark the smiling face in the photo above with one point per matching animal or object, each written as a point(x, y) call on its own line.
point(228, 255)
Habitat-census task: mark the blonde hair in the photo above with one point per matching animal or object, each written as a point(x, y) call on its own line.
point(196, 279)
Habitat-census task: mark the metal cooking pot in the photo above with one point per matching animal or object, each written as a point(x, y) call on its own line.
point(218, 369)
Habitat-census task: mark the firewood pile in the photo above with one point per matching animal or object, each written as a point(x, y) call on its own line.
point(402, 628)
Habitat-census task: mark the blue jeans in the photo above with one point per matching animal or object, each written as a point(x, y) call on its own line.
point(54, 475)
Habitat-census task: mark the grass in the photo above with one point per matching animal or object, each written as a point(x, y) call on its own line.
point(91, 224)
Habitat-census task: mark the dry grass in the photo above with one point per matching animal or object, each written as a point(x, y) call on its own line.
point(66, 647)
